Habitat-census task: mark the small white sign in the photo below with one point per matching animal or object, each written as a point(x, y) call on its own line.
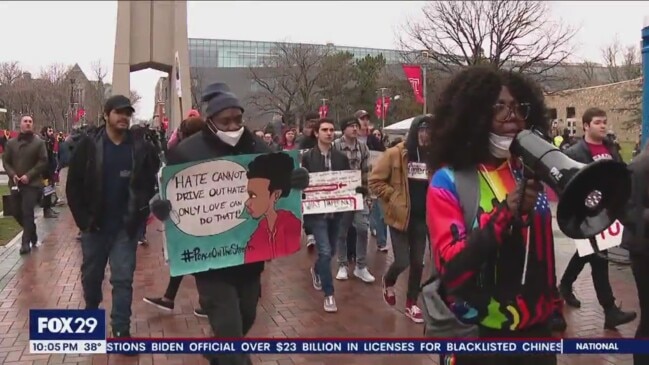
point(417, 171)
point(611, 237)
point(332, 192)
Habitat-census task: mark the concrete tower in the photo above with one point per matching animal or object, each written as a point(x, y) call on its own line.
point(149, 34)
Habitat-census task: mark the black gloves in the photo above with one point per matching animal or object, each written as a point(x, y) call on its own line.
point(160, 208)
point(362, 190)
point(300, 178)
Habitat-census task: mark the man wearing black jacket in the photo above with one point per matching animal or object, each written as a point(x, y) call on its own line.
point(635, 238)
point(594, 146)
point(325, 227)
point(111, 178)
point(229, 296)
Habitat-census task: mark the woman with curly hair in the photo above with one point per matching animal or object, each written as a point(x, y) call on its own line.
point(499, 274)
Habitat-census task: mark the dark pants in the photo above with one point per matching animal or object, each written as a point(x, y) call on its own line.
point(505, 359)
point(231, 307)
point(640, 269)
point(24, 203)
point(409, 248)
point(141, 232)
point(118, 249)
point(599, 272)
point(172, 288)
point(326, 232)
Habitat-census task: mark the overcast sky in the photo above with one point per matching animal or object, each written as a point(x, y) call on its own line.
point(40, 33)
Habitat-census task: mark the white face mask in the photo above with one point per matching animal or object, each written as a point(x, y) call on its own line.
point(499, 145)
point(230, 138)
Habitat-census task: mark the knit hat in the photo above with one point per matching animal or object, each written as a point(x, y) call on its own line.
point(348, 122)
point(218, 98)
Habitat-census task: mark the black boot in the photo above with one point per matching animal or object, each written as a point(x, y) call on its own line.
point(25, 249)
point(569, 296)
point(557, 323)
point(124, 335)
point(614, 316)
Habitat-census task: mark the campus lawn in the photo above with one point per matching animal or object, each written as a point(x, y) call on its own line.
point(627, 150)
point(8, 226)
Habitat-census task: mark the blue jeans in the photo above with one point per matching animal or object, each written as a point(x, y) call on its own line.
point(360, 220)
point(326, 232)
point(98, 249)
point(378, 224)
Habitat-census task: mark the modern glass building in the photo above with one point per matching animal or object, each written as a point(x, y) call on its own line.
point(221, 53)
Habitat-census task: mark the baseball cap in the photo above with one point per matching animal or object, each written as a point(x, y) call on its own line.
point(118, 102)
point(361, 113)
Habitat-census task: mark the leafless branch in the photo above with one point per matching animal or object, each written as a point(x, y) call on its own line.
point(288, 80)
point(622, 63)
point(515, 35)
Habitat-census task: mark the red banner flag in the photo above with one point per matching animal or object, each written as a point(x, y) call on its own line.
point(80, 114)
point(381, 107)
point(413, 74)
point(323, 111)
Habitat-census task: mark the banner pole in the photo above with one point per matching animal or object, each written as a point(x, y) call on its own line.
point(424, 88)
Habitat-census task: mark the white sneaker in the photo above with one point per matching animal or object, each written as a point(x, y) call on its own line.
point(364, 275)
point(330, 304)
point(317, 284)
point(310, 240)
point(342, 273)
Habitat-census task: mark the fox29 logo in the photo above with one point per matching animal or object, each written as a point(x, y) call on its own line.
point(65, 324)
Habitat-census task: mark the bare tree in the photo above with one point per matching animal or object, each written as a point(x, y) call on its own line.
point(197, 85)
point(135, 98)
point(515, 35)
point(622, 63)
point(287, 81)
point(51, 92)
point(9, 72)
point(99, 73)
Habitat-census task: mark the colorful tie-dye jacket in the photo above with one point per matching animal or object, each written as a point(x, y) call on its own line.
point(483, 273)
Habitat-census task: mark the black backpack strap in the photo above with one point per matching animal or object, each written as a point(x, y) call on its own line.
point(467, 186)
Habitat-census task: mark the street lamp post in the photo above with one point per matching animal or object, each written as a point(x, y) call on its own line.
point(424, 66)
point(645, 81)
point(383, 111)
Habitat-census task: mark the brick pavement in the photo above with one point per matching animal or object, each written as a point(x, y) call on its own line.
point(49, 278)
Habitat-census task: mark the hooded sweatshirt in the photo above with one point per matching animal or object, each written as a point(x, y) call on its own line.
point(417, 188)
point(483, 272)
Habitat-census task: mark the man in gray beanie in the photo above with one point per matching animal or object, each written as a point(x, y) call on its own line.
point(229, 295)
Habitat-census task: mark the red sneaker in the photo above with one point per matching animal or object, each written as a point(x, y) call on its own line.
point(388, 294)
point(414, 313)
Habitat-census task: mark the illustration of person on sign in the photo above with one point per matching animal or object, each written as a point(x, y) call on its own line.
point(279, 231)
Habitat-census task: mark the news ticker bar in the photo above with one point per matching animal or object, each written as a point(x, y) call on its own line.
point(346, 346)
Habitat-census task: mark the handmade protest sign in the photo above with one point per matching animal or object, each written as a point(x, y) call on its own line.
point(332, 192)
point(417, 171)
point(231, 211)
point(611, 237)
